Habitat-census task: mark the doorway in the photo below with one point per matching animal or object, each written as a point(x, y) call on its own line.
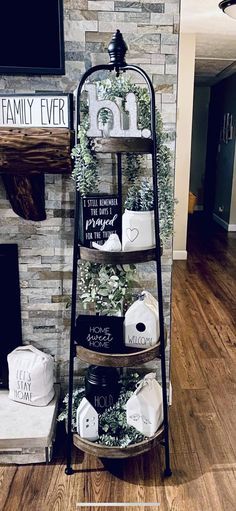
point(213, 166)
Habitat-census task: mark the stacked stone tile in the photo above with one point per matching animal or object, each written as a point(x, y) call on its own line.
point(45, 248)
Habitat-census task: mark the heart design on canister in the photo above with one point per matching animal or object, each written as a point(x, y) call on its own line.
point(132, 234)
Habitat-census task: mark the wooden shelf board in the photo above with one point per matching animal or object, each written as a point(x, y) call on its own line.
point(122, 145)
point(128, 359)
point(99, 256)
point(132, 450)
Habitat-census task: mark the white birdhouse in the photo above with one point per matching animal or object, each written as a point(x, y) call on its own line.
point(144, 409)
point(141, 323)
point(87, 421)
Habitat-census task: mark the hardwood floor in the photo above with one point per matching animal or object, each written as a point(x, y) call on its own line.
point(203, 432)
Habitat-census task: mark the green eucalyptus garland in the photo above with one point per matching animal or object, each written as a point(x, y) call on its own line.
point(85, 171)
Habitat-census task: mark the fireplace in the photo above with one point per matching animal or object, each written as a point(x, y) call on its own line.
point(10, 311)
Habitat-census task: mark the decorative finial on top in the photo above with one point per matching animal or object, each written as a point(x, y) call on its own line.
point(117, 49)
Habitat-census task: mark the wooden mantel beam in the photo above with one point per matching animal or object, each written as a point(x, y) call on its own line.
point(26, 151)
point(25, 155)
point(26, 196)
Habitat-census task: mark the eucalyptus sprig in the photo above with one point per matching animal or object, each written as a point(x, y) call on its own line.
point(85, 171)
point(77, 397)
point(106, 287)
point(140, 196)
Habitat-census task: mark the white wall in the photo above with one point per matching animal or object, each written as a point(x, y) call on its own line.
point(186, 69)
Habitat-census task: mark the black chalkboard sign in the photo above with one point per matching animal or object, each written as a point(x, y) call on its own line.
point(100, 216)
point(103, 334)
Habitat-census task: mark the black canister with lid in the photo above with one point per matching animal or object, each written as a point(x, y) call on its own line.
point(102, 387)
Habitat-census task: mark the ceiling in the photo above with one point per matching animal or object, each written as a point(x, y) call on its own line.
point(215, 39)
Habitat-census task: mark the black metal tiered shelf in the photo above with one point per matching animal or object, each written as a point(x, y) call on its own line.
point(130, 358)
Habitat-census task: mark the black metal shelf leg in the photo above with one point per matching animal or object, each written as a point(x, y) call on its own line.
point(167, 471)
point(69, 469)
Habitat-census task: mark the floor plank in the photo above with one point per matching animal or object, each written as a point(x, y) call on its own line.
point(220, 478)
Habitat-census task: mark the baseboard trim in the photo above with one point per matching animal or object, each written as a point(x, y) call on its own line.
point(180, 255)
point(220, 221)
point(224, 224)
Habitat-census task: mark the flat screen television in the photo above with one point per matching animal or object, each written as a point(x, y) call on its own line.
point(31, 37)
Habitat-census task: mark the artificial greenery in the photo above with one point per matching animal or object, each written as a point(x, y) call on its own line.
point(165, 195)
point(132, 166)
point(106, 287)
point(77, 397)
point(113, 428)
point(140, 196)
point(85, 170)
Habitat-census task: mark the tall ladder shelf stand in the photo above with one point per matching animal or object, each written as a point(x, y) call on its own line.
point(117, 50)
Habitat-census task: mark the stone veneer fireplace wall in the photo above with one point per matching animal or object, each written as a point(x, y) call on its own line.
point(45, 248)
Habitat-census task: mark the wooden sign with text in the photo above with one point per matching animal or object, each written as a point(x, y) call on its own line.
point(103, 334)
point(100, 216)
point(49, 110)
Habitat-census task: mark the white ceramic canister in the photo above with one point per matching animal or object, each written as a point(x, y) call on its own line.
point(138, 231)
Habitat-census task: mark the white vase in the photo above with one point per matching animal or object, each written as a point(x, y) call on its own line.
point(138, 230)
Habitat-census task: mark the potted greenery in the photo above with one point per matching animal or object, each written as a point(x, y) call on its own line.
point(138, 219)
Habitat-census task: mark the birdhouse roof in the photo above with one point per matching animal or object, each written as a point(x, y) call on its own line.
point(141, 307)
point(85, 406)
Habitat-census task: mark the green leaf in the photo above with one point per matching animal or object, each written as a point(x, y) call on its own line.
point(103, 292)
